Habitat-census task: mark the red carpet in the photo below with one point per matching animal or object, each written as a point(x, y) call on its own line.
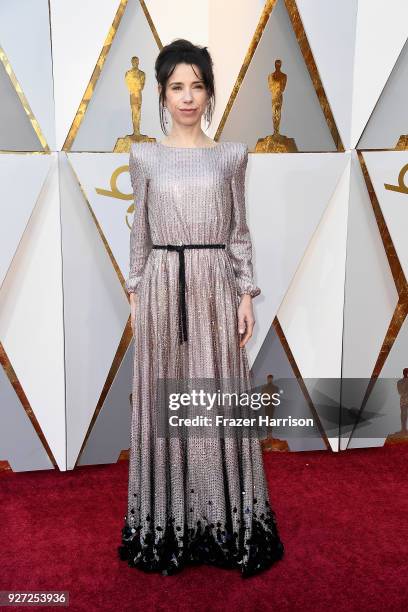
point(343, 519)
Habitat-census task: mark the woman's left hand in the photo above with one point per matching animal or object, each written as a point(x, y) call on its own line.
point(246, 319)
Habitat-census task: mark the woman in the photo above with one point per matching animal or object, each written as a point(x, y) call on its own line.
point(205, 499)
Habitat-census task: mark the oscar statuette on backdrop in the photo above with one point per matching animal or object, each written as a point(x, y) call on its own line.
point(270, 443)
point(276, 142)
point(135, 81)
point(402, 434)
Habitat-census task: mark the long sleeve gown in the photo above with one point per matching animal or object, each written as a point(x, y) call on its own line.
point(192, 500)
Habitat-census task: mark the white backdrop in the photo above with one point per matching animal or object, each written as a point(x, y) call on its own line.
point(331, 275)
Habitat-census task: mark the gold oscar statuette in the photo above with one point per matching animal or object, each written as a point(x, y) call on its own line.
point(276, 142)
point(402, 388)
point(270, 443)
point(135, 82)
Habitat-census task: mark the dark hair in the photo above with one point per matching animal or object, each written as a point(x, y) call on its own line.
point(181, 51)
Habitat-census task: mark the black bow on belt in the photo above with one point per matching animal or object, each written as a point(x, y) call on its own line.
point(182, 279)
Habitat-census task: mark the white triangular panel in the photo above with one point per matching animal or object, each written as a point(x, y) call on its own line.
point(371, 295)
point(16, 130)
point(331, 32)
point(242, 19)
point(370, 301)
point(382, 412)
point(79, 29)
point(21, 180)
point(31, 316)
point(110, 434)
point(95, 309)
point(94, 171)
point(25, 38)
point(389, 119)
point(381, 35)
point(20, 444)
point(287, 195)
point(273, 360)
point(384, 168)
point(311, 314)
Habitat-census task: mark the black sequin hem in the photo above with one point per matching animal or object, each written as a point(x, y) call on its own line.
point(213, 544)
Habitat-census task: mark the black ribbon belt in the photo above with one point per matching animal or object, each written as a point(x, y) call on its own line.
point(182, 279)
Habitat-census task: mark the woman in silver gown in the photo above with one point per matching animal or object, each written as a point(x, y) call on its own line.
point(192, 499)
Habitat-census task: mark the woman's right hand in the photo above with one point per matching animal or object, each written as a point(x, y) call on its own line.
point(133, 302)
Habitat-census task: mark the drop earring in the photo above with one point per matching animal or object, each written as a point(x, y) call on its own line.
point(207, 114)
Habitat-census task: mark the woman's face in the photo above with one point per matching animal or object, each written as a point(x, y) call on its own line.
point(186, 96)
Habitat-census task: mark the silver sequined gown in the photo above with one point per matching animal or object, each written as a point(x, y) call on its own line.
point(192, 500)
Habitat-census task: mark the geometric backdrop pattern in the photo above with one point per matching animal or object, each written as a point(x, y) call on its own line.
point(327, 207)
